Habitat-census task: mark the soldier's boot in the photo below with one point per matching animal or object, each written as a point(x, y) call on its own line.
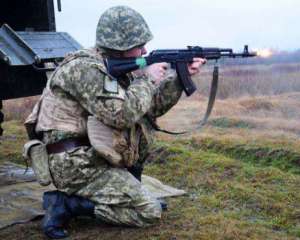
point(57, 214)
point(60, 209)
point(79, 206)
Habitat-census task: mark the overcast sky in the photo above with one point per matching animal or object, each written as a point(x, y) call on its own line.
point(209, 23)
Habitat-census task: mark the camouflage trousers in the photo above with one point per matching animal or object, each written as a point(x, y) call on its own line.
point(119, 197)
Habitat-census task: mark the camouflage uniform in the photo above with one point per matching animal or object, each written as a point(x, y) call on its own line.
point(81, 79)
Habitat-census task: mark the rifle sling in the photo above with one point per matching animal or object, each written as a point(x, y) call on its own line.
point(212, 95)
point(210, 105)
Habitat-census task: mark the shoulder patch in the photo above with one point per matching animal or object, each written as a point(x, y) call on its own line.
point(111, 89)
point(110, 85)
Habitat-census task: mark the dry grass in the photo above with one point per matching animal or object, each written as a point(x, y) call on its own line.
point(18, 109)
point(252, 80)
point(263, 113)
point(235, 82)
point(241, 82)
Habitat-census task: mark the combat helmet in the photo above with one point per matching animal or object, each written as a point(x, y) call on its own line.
point(122, 28)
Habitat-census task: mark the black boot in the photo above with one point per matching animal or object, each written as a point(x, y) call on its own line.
point(60, 209)
point(57, 214)
point(79, 206)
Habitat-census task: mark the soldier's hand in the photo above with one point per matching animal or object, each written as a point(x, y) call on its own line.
point(157, 71)
point(195, 66)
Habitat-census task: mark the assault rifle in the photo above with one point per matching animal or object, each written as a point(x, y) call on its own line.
point(178, 58)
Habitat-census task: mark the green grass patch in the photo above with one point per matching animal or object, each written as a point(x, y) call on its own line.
point(236, 188)
point(263, 154)
point(227, 198)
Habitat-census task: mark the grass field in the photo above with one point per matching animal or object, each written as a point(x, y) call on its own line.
point(241, 173)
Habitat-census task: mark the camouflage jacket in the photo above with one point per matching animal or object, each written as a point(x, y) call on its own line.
point(82, 78)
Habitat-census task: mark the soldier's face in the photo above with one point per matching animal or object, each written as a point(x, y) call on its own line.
point(136, 52)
